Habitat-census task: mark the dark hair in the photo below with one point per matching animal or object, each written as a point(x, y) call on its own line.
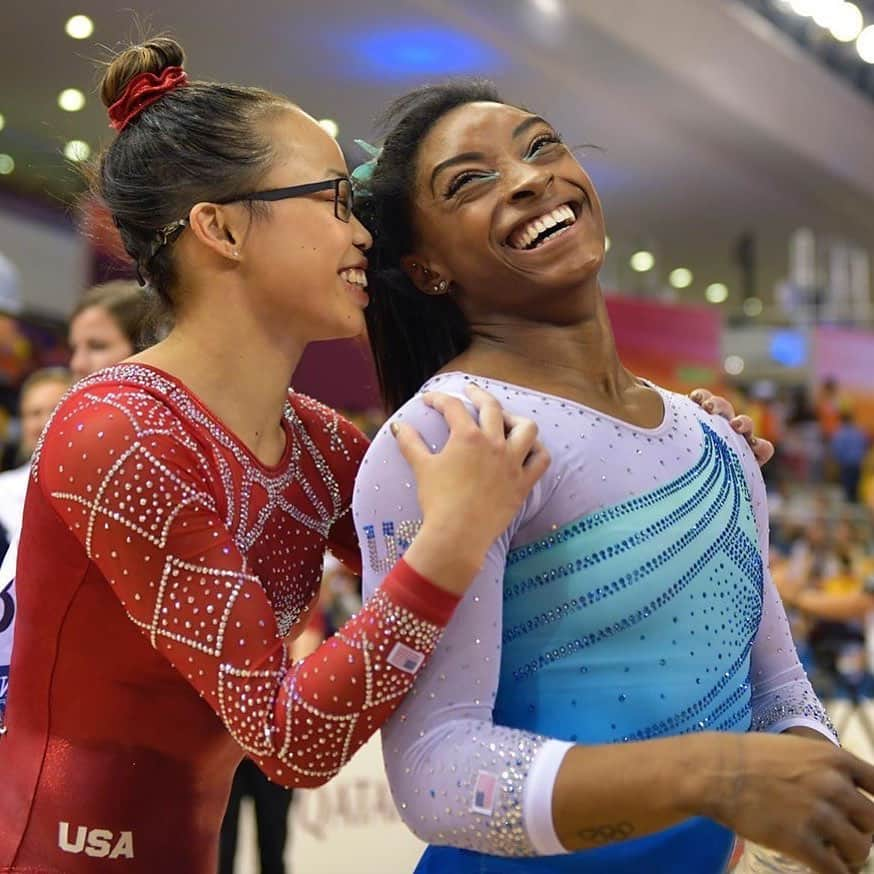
point(131, 308)
point(412, 334)
point(199, 142)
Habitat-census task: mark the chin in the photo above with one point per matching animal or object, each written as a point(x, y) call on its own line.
point(583, 273)
point(348, 328)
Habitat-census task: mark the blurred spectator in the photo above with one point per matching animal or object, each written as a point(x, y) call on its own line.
point(110, 323)
point(40, 394)
point(849, 445)
point(829, 406)
point(340, 596)
point(802, 446)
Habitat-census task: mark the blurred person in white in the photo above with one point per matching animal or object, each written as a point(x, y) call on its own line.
point(40, 394)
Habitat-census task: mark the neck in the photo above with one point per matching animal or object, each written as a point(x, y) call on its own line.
point(235, 364)
point(576, 359)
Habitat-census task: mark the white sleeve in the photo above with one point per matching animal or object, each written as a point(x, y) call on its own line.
point(456, 777)
point(782, 696)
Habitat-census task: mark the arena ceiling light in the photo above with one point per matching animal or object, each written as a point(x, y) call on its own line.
point(547, 7)
point(7, 165)
point(330, 127)
point(716, 293)
point(753, 307)
point(734, 365)
point(826, 11)
point(79, 27)
point(71, 100)
point(681, 277)
point(865, 44)
point(642, 261)
point(77, 150)
point(847, 23)
point(2, 121)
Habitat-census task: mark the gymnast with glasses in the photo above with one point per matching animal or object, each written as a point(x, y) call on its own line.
point(181, 502)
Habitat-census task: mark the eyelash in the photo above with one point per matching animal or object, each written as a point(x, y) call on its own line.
point(543, 140)
point(536, 144)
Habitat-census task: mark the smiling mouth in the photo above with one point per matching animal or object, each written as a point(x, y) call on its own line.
point(535, 232)
point(354, 276)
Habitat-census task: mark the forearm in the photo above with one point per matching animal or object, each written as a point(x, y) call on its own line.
point(615, 792)
point(445, 558)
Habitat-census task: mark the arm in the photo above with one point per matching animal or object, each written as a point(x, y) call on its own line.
point(782, 695)
point(140, 496)
point(456, 777)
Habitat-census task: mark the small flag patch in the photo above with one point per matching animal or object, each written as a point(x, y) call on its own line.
point(405, 659)
point(484, 791)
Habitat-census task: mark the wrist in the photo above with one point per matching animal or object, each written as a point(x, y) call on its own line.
point(707, 774)
point(449, 562)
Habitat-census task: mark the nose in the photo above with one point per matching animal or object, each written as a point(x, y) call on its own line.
point(361, 238)
point(528, 181)
point(79, 364)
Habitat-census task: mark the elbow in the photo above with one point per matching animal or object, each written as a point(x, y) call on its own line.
point(422, 826)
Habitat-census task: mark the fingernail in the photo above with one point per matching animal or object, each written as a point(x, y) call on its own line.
point(394, 429)
point(696, 396)
point(736, 424)
point(753, 441)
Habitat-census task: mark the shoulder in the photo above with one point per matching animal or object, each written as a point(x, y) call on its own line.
point(686, 409)
point(114, 414)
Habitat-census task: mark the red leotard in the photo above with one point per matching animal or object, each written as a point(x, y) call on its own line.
point(161, 569)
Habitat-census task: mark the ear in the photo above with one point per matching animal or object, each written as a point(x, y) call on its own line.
point(218, 228)
point(427, 278)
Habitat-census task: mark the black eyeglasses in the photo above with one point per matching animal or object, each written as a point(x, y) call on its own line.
point(344, 197)
point(344, 201)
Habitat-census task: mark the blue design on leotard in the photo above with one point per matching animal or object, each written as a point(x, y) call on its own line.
point(631, 623)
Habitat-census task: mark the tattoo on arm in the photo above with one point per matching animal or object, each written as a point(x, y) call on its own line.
point(606, 834)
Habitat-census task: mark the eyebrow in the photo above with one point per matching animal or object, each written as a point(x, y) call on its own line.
point(527, 123)
point(478, 156)
point(458, 159)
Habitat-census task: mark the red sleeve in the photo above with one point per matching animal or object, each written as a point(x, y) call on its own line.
point(139, 493)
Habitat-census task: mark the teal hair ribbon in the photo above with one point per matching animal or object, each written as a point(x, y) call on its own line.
point(363, 173)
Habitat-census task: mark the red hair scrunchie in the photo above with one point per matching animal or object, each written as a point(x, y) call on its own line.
point(142, 91)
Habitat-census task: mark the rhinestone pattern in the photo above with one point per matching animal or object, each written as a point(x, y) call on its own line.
point(217, 558)
point(654, 536)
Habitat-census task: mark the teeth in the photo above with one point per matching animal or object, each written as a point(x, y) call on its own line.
point(355, 276)
point(523, 237)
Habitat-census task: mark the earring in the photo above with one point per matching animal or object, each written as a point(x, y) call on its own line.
point(236, 254)
point(440, 287)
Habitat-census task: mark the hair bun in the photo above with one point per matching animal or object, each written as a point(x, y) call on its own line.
point(152, 56)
